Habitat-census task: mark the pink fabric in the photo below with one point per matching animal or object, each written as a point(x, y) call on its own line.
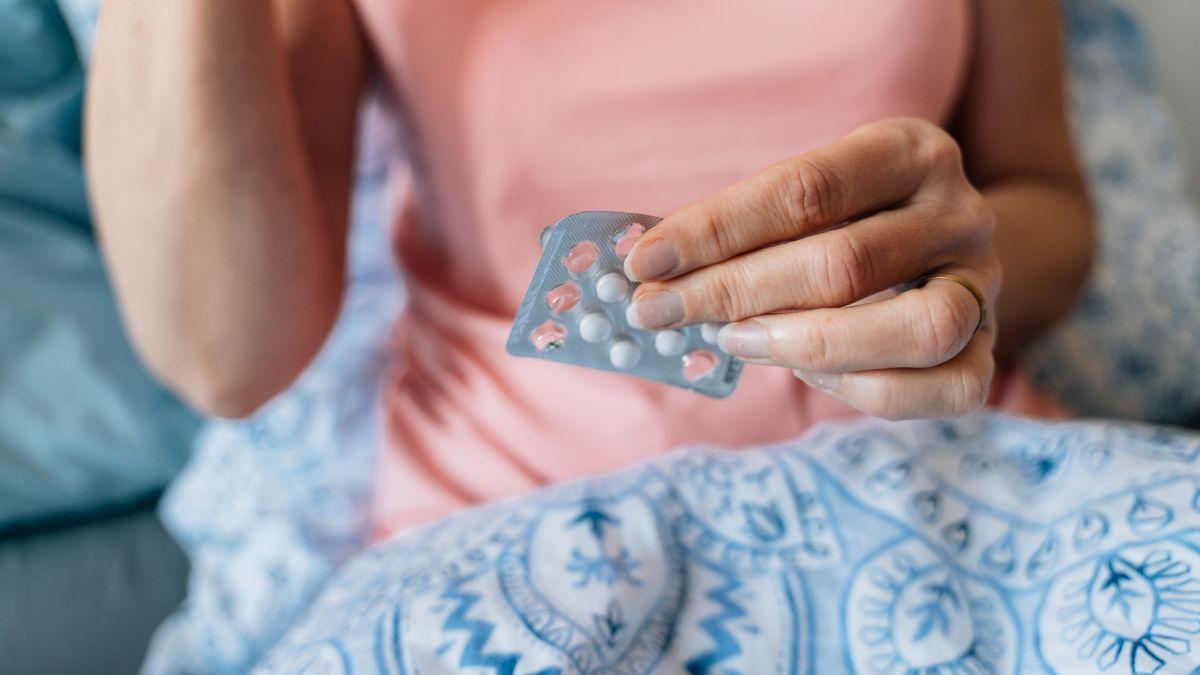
point(520, 112)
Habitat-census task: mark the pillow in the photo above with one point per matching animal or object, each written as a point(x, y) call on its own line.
point(82, 17)
point(41, 80)
point(1131, 348)
point(82, 426)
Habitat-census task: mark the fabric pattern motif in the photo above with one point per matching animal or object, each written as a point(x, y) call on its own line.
point(984, 545)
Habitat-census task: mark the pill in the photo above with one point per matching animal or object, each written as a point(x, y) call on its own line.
point(545, 235)
point(631, 318)
point(612, 287)
point(548, 336)
point(709, 331)
point(669, 342)
point(624, 353)
point(699, 364)
point(581, 257)
point(595, 327)
point(624, 239)
point(563, 297)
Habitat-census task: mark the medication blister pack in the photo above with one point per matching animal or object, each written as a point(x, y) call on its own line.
point(577, 310)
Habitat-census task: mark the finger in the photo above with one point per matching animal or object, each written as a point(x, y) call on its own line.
point(957, 387)
point(920, 328)
point(830, 269)
point(875, 167)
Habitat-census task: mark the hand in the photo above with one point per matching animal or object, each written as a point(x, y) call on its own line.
point(812, 260)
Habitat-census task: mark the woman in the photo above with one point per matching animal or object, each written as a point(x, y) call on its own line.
point(901, 139)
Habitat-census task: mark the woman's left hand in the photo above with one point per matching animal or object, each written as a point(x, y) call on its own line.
point(799, 256)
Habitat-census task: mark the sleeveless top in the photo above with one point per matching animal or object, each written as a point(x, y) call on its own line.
point(518, 112)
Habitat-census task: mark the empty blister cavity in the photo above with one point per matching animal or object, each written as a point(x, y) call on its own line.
point(612, 287)
point(563, 297)
point(709, 330)
point(624, 353)
point(548, 336)
point(626, 237)
point(670, 342)
point(699, 364)
point(581, 257)
point(595, 327)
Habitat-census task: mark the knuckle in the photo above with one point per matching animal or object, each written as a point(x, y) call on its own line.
point(809, 191)
point(940, 149)
point(726, 295)
point(970, 389)
point(882, 401)
point(978, 215)
point(979, 211)
point(714, 232)
point(845, 270)
point(813, 350)
point(948, 323)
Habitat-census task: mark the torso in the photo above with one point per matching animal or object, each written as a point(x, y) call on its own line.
point(520, 112)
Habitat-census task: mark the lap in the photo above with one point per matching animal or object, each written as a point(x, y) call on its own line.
point(992, 545)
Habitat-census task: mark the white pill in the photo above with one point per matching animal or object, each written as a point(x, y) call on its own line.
point(709, 331)
point(669, 342)
point(624, 353)
point(595, 327)
point(612, 287)
point(631, 318)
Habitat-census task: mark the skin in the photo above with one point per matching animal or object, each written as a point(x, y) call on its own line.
point(242, 115)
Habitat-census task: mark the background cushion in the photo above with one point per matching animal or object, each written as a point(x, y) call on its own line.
point(83, 600)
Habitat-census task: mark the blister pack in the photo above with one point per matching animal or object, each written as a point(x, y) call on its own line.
point(577, 310)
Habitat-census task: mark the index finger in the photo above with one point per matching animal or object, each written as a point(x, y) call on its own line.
point(877, 166)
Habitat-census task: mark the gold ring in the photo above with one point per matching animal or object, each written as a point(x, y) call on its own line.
point(965, 283)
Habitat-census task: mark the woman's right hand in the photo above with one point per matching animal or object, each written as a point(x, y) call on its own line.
point(220, 143)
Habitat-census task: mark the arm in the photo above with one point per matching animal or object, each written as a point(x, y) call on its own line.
point(219, 143)
point(1017, 149)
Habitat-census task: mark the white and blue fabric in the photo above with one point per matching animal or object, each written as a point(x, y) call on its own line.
point(986, 545)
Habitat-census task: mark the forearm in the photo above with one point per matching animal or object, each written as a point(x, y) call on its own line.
point(228, 271)
point(1044, 242)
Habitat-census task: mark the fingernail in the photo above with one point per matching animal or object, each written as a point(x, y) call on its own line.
point(748, 340)
point(659, 310)
point(631, 317)
point(652, 261)
point(825, 381)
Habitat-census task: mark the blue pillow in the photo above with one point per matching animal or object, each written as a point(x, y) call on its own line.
point(41, 80)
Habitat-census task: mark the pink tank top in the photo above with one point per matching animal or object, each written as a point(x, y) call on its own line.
point(518, 112)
